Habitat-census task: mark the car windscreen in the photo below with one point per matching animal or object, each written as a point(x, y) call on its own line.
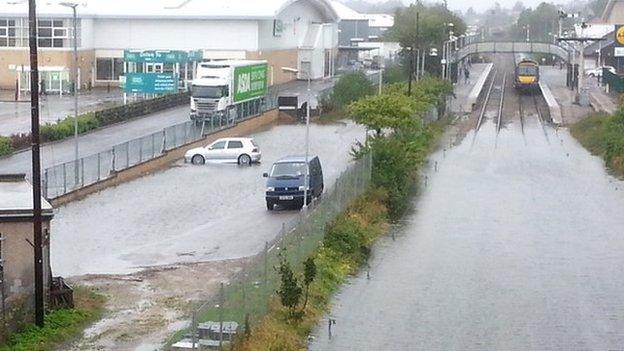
point(288, 169)
point(527, 70)
point(208, 92)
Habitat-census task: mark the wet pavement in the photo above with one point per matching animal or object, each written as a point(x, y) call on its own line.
point(188, 213)
point(514, 244)
point(105, 138)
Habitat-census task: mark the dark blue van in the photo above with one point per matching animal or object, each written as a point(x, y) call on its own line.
point(285, 184)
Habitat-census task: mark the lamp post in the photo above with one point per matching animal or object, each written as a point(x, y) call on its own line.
point(307, 137)
point(75, 86)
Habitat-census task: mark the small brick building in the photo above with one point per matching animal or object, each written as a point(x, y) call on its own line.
point(17, 283)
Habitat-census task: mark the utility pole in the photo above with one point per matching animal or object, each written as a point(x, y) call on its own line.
point(36, 162)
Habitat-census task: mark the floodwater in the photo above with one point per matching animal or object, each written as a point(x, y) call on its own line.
point(189, 213)
point(516, 243)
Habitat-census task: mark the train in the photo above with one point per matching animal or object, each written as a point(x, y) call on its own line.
point(526, 75)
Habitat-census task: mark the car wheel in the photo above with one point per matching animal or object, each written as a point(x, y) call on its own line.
point(198, 160)
point(270, 206)
point(591, 75)
point(244, 159)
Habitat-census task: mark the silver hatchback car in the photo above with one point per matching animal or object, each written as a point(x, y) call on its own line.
point(243, 151)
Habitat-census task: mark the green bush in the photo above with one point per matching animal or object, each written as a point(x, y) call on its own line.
point(395, 74)
point(349, 88)
point(603, 135)
point(6, 146)
point(65, 128)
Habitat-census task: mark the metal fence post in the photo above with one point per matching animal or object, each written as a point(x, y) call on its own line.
point(127, 154)
point(221, 303)
point(81, 172)
point(45, 183)
point(99, 168)
point(153, 145)
point(64, 178)
point(164, 141)
point(266, 262)
point(140, 150)
point(113, 160)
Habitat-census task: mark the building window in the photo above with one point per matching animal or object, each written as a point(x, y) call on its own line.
point(8, 32)
point(109, 68)
point(57, 33)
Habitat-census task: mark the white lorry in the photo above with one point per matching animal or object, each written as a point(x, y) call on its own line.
point(220, 86)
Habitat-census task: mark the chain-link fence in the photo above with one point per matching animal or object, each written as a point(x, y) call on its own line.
point(69, 176)
point(243, 300)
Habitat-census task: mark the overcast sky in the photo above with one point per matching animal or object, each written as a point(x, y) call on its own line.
point(480, 5)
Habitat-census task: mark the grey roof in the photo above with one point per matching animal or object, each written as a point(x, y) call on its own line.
point(16, 197)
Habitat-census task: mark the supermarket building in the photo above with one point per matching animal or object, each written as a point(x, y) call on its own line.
point(301, 34)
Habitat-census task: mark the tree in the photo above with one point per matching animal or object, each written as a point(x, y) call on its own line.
point(351, 87)
point(309, 273)
point(290, 291)
point(422, 27)
point(393, 110)
point(542, 20)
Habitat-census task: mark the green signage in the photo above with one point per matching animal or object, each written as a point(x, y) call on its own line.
point(150, 83)
point(250, 82)
point(163, 56)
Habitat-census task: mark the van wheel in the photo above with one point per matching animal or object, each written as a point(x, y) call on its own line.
point(198, 160)
point(270, 206)
point(244, 159)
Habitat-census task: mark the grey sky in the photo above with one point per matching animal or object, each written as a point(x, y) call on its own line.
point(480, 5)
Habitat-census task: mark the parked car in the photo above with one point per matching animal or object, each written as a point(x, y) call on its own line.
point(243, 151)
point(597, 72)
point(286, 181)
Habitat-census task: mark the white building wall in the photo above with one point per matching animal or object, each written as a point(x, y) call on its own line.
point(296, 20)
point(175, 34)
point(86, 33)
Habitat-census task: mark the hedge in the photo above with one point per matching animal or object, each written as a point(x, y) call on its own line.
point(92, 120)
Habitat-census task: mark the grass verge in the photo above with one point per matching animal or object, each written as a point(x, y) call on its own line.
point(348, 240)
point(60, 325)
point(603, 135)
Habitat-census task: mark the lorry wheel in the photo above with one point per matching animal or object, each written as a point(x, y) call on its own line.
point(198, 160)
point(244, 159)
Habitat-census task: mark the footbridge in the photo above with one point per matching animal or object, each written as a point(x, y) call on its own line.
point(511, 47)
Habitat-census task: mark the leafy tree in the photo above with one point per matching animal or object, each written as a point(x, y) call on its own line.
point(309, 273)
point(378, 112)
point(542, 20)
point(290, 291)
point(351, 87)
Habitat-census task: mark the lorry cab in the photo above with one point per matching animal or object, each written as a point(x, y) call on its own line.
point(286, 181)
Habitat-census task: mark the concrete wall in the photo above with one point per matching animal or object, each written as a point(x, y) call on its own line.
point(18, 286)
point(241, 129)
point(175, 34)
point(47, 57)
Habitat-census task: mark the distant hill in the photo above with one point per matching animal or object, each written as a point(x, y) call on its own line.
point(364, 6)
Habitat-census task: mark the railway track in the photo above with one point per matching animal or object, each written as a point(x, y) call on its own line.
point(531, 100)
point(494, 99)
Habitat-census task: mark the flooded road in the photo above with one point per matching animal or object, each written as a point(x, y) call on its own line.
point(516, 243)
point(187, 213)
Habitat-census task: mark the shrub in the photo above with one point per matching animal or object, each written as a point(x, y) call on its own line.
point(6, 146)
point(395, 74)
point(20, 140)
point(65, 128)
point(349, 88)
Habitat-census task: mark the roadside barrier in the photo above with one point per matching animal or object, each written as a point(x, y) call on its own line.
point(244, 297)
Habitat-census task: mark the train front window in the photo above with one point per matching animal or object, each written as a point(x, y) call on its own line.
point(527, 70)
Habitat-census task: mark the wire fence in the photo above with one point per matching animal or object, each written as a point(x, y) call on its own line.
point(63, 178)
point(243, 300)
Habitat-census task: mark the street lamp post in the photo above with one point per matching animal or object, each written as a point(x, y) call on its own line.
point(75, 86)
point(307, 137)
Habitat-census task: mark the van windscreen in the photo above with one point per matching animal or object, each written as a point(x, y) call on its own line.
point(288, 169)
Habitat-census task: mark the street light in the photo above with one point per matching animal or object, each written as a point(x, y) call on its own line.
point(73, 6)
point(307, 137)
